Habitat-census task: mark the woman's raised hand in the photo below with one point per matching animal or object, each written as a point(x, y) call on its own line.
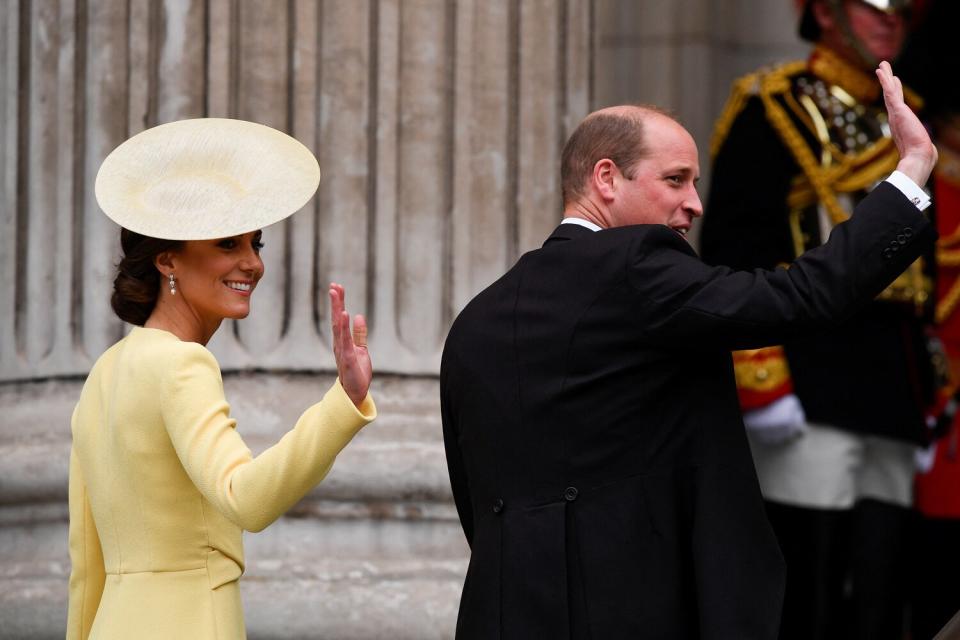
point(917, 153)
point(350, 348)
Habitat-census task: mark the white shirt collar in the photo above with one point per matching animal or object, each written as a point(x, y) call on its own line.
point(582, 223)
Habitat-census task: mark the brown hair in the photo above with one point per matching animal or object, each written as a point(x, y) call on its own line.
point(137, 285)
point(615, 134)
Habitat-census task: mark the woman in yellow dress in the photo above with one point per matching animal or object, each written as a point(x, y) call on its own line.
point(161, 483)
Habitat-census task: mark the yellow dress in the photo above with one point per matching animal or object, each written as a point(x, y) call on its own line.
point(161, 486)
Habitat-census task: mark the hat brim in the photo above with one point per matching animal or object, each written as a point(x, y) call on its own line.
point(205, 178)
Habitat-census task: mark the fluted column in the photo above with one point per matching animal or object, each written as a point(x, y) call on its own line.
point(438, 126)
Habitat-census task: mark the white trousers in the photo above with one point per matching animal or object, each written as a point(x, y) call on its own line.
point(826, 468)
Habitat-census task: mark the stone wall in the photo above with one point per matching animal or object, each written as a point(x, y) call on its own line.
point(438, 126)
point(435, 122)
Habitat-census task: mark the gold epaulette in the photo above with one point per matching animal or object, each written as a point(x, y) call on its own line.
point(743, 88)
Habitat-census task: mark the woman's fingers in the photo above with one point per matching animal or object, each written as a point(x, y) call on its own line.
point(360, 331)
point(349, 347)
point(336, 310)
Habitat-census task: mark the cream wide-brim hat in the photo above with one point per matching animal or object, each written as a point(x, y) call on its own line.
point(205, 178)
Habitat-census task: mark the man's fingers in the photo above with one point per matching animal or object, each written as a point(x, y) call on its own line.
point(892, 88)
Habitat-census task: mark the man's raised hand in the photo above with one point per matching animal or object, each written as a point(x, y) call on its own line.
point(917, 153)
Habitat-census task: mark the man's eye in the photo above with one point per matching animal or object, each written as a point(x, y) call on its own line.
point(675, 179)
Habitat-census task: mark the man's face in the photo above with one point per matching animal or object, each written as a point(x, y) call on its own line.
point(881, 33)
point(663, 187)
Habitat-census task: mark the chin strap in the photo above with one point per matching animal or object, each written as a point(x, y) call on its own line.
point(869, 60)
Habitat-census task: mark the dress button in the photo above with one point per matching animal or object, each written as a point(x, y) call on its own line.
point(497, 505)
point(901, 239)
point(888, 253)
point(570, 494)
point(908, 232)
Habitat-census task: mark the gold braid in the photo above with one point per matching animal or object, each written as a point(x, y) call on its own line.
point(779, 82)
point(824, 182)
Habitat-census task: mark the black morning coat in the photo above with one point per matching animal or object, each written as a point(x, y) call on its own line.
point(594, 439)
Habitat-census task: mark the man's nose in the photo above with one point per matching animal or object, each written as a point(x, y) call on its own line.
point(693, 205)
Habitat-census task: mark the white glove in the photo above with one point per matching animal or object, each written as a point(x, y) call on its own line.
point(924, 457)
point(777, 423)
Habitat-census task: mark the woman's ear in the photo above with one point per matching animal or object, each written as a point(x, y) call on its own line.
point(163, 261)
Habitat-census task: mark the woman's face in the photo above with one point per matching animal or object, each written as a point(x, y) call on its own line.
point(217, 277)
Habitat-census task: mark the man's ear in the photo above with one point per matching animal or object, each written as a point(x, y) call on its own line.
point(605, 174)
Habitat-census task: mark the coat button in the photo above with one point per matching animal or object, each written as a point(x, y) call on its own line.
point(888, 253)
point(901, 239)
point(497, 505)
point(570, 494)
point(908, 232)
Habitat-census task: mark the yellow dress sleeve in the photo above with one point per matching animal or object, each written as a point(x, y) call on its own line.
point(251, 492)
point(86, 558)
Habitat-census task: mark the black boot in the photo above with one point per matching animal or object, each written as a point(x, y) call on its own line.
point(878, 554)
point(814, 545)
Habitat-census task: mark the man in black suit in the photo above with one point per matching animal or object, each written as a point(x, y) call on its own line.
point(594, 440)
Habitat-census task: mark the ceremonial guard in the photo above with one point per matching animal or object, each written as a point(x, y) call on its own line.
point(834, 419)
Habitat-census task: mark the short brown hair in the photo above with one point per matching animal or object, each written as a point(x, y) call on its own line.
point(137, 285)
point(604, 134)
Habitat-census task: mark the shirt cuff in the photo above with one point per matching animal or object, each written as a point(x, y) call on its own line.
point(909, 188)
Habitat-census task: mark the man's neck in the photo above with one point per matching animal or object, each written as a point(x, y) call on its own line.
point(585, 210)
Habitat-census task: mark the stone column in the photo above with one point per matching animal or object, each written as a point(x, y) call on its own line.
point(438, 126)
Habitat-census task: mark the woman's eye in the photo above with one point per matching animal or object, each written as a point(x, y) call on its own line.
point(257, 246)
point(227, 243)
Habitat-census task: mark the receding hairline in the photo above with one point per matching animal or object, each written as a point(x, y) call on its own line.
point(638, 113)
